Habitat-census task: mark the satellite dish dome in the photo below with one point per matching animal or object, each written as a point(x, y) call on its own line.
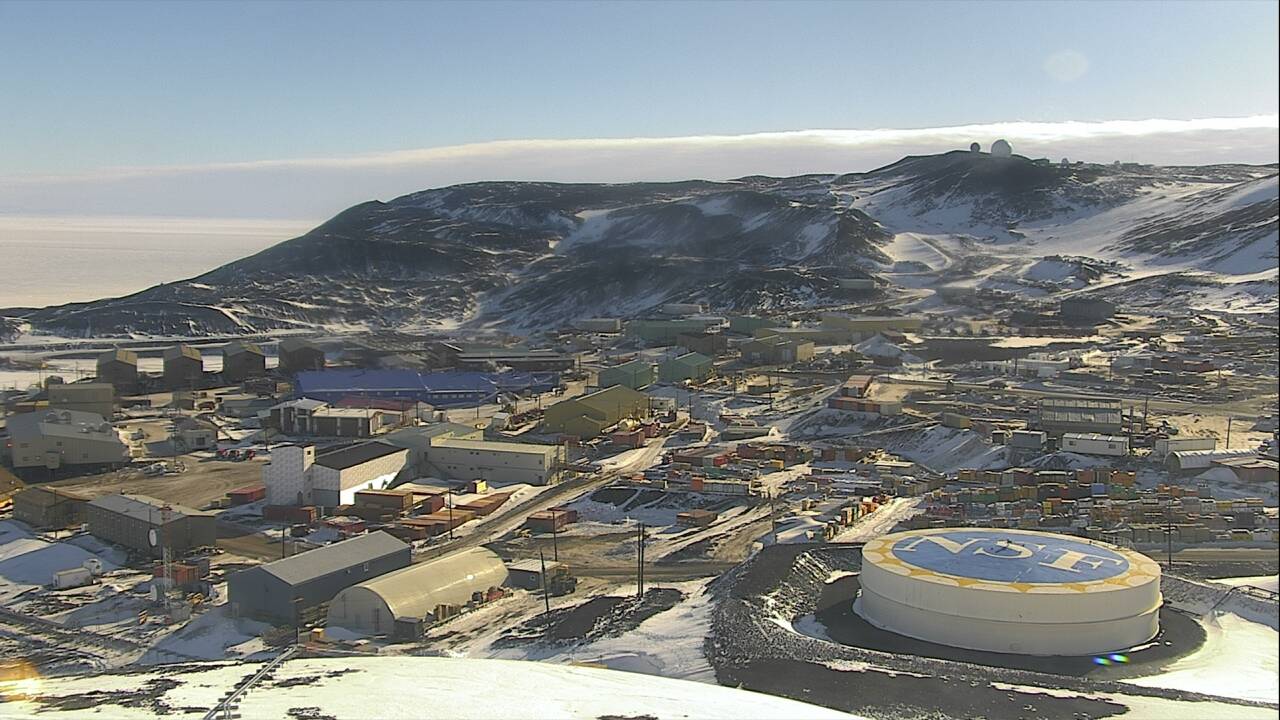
point(1001, 148)
point(975, 147)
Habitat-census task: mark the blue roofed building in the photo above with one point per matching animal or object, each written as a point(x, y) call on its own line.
point(440, 389)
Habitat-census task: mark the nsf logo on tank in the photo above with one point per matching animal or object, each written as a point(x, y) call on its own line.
point(993, 555)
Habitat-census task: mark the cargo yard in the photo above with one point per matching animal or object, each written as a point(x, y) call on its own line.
point(604, 496)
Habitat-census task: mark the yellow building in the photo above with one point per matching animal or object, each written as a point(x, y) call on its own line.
point(589, 415)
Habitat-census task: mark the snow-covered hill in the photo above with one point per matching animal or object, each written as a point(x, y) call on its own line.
point(528, 256)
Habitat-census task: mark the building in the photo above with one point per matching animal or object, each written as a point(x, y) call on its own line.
point(48, 508)
point(146, 525)
point(305, 417)
point(1163, 446)
point(589, 415)
point(418, 439)
point(98, 398)
point(857, 386)
point(52, 439)
point(711, 344)
point(529, 574)
point(194, 434)
point(1079, 415)
point(183, 367)
point(241, 361)
point(748, 324)
point(297, 355)
point(439, 389)
point(1252, 470)
point(408, 596)
point(501, 462)
point(690, 367)
point(1090, 598)
point(667, 331)
point(856, 285)
point(285, 590)
point(544, 360)
point(297, 475)
point(637, 375)
point(777, 349)
point(1190, 461)
point(1085, 311)
point(598, 325)
point(861, 327)
point(1095, 444)
point(119, 367)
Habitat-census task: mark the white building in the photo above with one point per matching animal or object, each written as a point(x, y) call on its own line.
point(497, 462)
point(1164, 446)
point(296, 475)
point(1095, 444)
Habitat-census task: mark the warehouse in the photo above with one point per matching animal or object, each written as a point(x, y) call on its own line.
point(283, 590)
point(406, 597)
point(666, 331)
point(1163, 446)
point(637, 375)
point(1080, 415)
point(97, 398)
point(183, 367)
point(777, 349)
point(1094, 444)
point(119, 367)
point(306, 417)
point(712, 344)
point(590, 415)
point(860, 327)
point(297, 475)
point(972, 588)
point(441, 389)
point(598, 325)
point(418, 439)
point(1195, 461)
point(52, 439)
point(502, 462)
point(297, 355)
point(48, 508)
point(242, 360)
point(145, 525)
point(690, 367)
point(748, 324)
point(514, 358)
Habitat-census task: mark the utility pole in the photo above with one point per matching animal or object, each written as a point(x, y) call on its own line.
point(546, 598)
point(1228, 443)
point(555, 533)
point(640, 561)
point(448, 496)
point(1168, 538)
point(773, 517)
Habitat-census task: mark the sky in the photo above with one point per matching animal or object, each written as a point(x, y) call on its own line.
point(295, 110)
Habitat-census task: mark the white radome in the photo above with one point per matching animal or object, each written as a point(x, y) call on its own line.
point(1001, 148)
point(1010, 591)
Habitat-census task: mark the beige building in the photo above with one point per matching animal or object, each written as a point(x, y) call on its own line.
point(52, 439)
point(43, 507)
point(98, 398)
point(242, 360)
point(120, 368)
point(864, 326)
point(183, 367)
point(590, 415)
point(415, 593)
point(497, 462)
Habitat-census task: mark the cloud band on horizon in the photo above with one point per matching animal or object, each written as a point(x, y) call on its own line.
point(316, 188)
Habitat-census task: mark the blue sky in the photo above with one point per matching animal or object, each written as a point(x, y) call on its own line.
point(95, 85)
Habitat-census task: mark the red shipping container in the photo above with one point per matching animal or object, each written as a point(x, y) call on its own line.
point(246, 495)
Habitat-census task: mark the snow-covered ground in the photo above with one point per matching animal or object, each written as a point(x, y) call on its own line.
point(1237, 660)
point(28, 562)
point(404, 687)
point(1265, 582)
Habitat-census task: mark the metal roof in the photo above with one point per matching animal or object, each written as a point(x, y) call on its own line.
point(415, 591)
point(237, 347)
point(141, 507)
point(334, 558)
point(119, 355)
point(177, 351)
point(354, 455)
point(61, 423)
point(495, 446)
point(295, 344)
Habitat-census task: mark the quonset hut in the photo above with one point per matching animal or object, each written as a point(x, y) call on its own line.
point(402, 599)
point(1010, 591)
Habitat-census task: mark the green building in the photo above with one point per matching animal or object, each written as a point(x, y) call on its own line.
point(667, 331)
point(690, 366)
point(589, 415)
point(637, 375)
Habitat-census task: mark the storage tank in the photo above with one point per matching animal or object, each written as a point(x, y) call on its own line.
point(1010, 591)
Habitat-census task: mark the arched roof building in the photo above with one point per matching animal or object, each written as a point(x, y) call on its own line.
point(414, 592)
